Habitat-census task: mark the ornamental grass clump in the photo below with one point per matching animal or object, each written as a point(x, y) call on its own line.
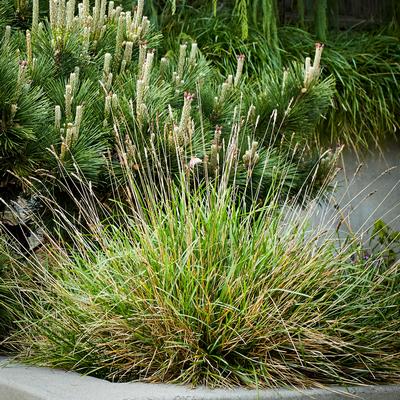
point(196, 286)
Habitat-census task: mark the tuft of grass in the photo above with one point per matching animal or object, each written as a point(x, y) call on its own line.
point(193, 285)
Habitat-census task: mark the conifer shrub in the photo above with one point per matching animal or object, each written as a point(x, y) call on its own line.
point(83, 83)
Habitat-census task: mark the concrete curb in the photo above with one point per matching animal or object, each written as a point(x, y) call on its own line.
point(20, 382)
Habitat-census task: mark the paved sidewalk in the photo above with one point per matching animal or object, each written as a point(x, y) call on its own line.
point(19, 382)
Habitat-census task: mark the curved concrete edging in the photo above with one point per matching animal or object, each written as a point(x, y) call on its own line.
point(20, 382)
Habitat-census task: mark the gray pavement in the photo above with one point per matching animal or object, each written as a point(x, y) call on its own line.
point(20, 382)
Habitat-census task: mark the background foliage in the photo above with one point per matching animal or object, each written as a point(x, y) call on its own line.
point(362, 43)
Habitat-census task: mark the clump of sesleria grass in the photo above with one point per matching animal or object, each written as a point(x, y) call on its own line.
point(190, 284)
